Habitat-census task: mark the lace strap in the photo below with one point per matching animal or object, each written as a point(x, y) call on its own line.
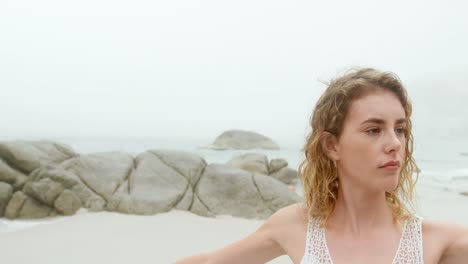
point(420, 238)
point(410, 249)
point(316, 250)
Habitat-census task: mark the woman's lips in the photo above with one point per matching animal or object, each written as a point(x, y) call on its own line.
point(391, 165)
point(391, 168)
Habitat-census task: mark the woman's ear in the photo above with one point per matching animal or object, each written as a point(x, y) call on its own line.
point(329, 145)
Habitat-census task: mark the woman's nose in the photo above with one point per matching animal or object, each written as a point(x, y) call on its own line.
point(393, 143)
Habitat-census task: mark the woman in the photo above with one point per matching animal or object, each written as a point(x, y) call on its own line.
point(358, 184)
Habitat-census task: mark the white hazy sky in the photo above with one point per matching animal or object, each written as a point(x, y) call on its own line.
point(196, 68)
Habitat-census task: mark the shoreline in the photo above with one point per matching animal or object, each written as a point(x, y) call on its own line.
point(102, 237)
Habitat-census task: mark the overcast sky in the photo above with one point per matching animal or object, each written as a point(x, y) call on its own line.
point(196, 68)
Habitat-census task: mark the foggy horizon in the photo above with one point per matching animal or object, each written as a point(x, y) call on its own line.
point(186, 69)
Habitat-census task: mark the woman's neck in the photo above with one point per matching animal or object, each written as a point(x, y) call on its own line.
point(359, 212)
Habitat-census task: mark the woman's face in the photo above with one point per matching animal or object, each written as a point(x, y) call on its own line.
point(371, 147)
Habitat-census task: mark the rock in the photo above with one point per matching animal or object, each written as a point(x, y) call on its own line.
point(67, 203)
point(231, 191)
point(22, 206)
point(25, 156)
point(274, 193)
point(199, 208)
point(253, 162)
point(277, 164)
point(11, 176)
point(156, 186)
point(145, 193)
point(6, 191)
point(286, 175)
point(53, 213)
point(45, 190)
point(186, 202)
point(15, 205)
point(187, 164)
point(34, 209)
point(70, 181)
point(464, 193)
point(155, 181)
point(226, 190)
point(239, 139)
point(120, 200)
point(102, 173)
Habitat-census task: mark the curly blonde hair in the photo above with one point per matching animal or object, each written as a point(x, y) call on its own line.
point(318, 172)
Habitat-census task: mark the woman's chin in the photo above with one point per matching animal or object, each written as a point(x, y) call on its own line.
point(390, 184)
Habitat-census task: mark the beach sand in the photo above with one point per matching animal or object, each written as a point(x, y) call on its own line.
point(116, 238)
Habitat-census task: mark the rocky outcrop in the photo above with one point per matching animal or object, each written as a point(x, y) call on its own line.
point(239, 139)
point(67, 203)
point(35, 185)
point(23, 206)
point(26, 156)
point(6, 192)
point(277, 164)
point(286, 175)
point(227, 190)
point(11, 176)
point(253, 162)
point(258, 163)
point(161, 181)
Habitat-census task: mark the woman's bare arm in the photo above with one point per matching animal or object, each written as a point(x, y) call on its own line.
point(259, 247)
point(195, 259)
point(456, 251)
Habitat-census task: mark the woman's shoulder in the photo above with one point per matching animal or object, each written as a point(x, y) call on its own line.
point(288, 227)
point(437, 228)
point(294, 213)
point(287, 221)
point(440, 236)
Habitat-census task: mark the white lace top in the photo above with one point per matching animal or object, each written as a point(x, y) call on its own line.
point(410, 249)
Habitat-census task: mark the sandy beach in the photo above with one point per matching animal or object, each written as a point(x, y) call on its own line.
point(117, 238)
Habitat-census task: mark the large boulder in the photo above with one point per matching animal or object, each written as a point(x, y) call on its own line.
point(277, 164)
point(11, 176)
point(22, 206)
point(86, 180)
point(258, 163)
point(253, 162)
point(274, 194)
point(103, 173)
point(187, 164)
point(64, 180)
point(26, 156)
point(6, 191)
point(34, 209)
point(67, 203)
point(239, 139)
point(15, 204)
point(226, 190)
point(45, 190)
point(286, 175)
point(162, 180)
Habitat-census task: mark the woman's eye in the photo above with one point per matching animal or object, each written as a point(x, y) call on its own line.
point(373, 131)
point(400, 130)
